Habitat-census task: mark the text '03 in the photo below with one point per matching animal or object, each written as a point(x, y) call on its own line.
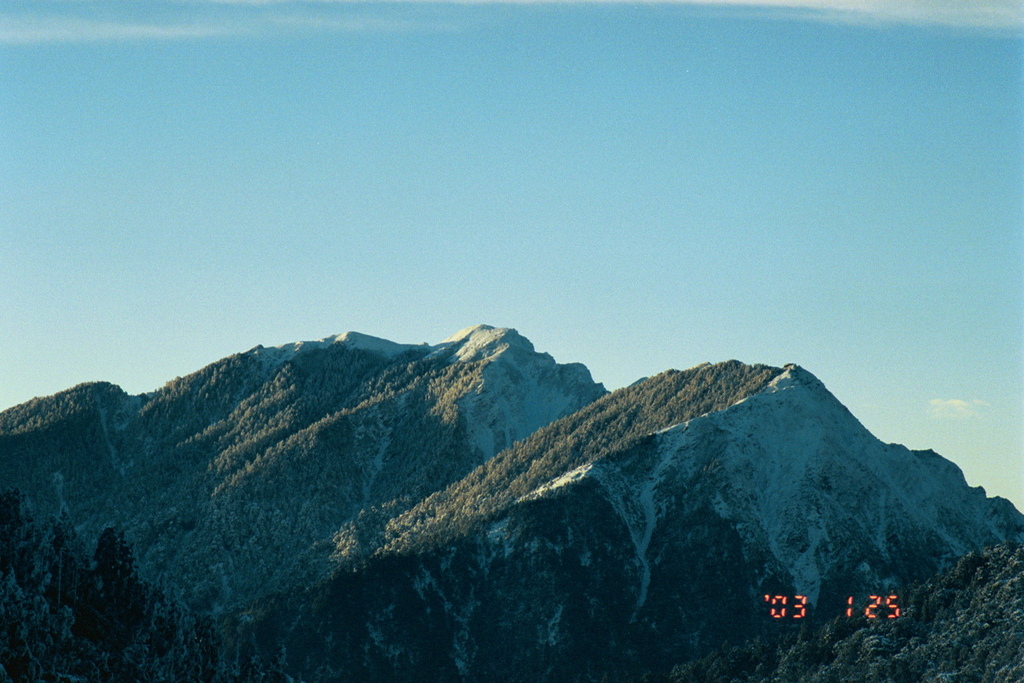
point(783, 606)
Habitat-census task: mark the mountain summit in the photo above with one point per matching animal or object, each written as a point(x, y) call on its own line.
point(483, 342)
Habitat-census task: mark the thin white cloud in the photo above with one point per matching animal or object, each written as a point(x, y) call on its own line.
point(114, 20)
point(956, 409)
point(998, 14)
point(28, 30)
point(24, 30)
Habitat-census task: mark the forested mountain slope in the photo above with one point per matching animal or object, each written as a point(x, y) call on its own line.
point(615, 422)
point(614, 541)
point(234, 479)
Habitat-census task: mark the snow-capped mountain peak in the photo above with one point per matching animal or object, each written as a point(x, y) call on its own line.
point(810, 483)
point(806, 484)
point(520, 389)
point(483, 342)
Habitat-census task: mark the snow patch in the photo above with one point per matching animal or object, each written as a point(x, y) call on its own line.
point(498, 534)
point(115, 460)
point(553, 622)
point(558, 482)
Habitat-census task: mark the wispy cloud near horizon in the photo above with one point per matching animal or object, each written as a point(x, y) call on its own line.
point(956, 409)
point(52, 21)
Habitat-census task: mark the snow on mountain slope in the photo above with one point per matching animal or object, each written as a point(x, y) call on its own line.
point(353, 340)
point(520, 391)
point(483, 342)
point(805, 483)
point(816, 481)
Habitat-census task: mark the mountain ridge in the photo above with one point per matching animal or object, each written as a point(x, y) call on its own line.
point(332, 418)
point(647, 522)
point(474, 510)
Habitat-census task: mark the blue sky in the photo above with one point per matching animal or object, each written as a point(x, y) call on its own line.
point(836, 183)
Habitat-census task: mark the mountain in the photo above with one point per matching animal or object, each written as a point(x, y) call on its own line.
point(644, 529)
point(475, 511)
point(234, 479)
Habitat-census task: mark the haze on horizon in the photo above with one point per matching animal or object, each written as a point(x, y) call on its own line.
point(834, 183)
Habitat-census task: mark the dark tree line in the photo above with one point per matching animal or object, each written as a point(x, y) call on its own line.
point(67, 617)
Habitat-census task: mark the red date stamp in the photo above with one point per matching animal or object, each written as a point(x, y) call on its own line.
point(795, 606)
